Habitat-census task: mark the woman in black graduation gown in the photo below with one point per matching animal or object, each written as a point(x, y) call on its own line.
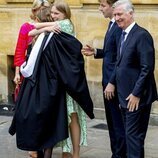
point(40, 119)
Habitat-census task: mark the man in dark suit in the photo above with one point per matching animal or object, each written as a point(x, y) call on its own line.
point(134, 77)
point(109, 55)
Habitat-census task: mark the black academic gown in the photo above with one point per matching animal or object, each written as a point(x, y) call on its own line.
point(40, 119)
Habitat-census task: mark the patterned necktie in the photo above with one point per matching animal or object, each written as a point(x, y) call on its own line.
point(122, 41)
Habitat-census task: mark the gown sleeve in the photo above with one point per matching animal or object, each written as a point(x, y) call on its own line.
point(69, 64)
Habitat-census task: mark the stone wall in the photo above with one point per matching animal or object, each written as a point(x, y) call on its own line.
point(90, 28)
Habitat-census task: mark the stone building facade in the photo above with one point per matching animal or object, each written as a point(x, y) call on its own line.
point(90, 27)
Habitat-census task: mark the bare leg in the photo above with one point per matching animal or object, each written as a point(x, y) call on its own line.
point(75, 135)
point(48, 153)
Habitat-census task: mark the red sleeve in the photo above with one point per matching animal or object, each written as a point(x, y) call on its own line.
point(22, 44)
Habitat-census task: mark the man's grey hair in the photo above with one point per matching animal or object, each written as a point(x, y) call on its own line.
point(128, 6)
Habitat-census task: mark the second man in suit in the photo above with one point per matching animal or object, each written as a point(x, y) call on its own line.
point(109, 55)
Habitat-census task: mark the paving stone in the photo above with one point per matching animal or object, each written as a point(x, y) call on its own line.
point(98, 141)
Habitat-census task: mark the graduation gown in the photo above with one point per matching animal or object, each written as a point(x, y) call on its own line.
point(40, 119)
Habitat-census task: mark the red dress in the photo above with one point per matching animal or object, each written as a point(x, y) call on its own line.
point(22, 44)
point(21, 50)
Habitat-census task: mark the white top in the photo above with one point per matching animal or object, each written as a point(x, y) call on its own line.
point(27, 68)
point(128, 29)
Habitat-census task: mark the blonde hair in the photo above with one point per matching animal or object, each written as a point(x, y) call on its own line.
point(63, 7)
point(37, 5)
point(44, 15)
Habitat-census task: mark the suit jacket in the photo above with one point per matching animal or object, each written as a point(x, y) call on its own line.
point(109, 52)
point(134, 72)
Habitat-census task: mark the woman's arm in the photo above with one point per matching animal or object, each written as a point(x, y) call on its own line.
point(44, 24)
point(35, 32)
point(56, 27)
point(22, 44)
point(52, 28)
point(21, 49)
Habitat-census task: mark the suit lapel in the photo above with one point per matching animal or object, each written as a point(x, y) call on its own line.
point(108, 34)
point(128, 39)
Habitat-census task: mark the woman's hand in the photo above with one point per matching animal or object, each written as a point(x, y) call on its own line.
point(17, 78)
point(55, 28)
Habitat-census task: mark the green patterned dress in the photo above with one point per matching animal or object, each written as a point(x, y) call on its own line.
point(72, 105)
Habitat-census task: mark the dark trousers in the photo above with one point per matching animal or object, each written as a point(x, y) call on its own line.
point(136, 124)
point(116, 128)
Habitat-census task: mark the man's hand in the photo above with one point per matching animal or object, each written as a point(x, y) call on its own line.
point(88, 50)
point(109, 91)
point(133, 102)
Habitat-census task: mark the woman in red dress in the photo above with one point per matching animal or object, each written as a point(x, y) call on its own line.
point(24, 40)
point(23, 43)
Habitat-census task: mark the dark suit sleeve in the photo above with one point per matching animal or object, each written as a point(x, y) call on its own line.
point(99, 54)
point(146, 54)
point(112, 79)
